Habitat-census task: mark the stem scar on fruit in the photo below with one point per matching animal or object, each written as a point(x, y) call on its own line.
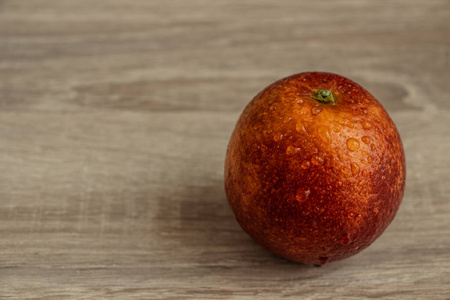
point(325, 96)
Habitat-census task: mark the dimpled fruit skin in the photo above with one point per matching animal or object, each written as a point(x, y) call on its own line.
point(314, 182)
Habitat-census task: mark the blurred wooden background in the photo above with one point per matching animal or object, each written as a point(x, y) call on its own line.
point(114, 122)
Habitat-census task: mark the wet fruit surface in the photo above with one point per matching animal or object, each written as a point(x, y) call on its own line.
point(315, 169)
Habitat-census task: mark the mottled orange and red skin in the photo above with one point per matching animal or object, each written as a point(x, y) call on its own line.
point(314, 182)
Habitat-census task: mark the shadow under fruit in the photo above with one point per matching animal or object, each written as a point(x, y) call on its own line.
point(315, 168)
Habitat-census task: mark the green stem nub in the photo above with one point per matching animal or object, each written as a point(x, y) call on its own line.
point(325, 96)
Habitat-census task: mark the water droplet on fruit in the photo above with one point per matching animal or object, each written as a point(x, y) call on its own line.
point(317, 160)
point(352, 144)
point(277, 137)
point(287, 120)
point(316, 110)
point(366, 125)
point(299, 101)
point(323, 260)
point(302, 195)
point(366, 139)
point(273, 107)
point(336, 128)
point(300, 128)
point(298, 195)
point(345, 239)
point(291, 150)
point(355, 168)
point(323, 133)
point(305, 165)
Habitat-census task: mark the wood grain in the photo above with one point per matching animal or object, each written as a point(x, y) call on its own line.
point(114, 122)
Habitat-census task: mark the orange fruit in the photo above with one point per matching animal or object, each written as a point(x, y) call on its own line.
point(315, 168)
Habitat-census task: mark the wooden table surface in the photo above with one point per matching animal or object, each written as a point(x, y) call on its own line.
point(114, 122)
